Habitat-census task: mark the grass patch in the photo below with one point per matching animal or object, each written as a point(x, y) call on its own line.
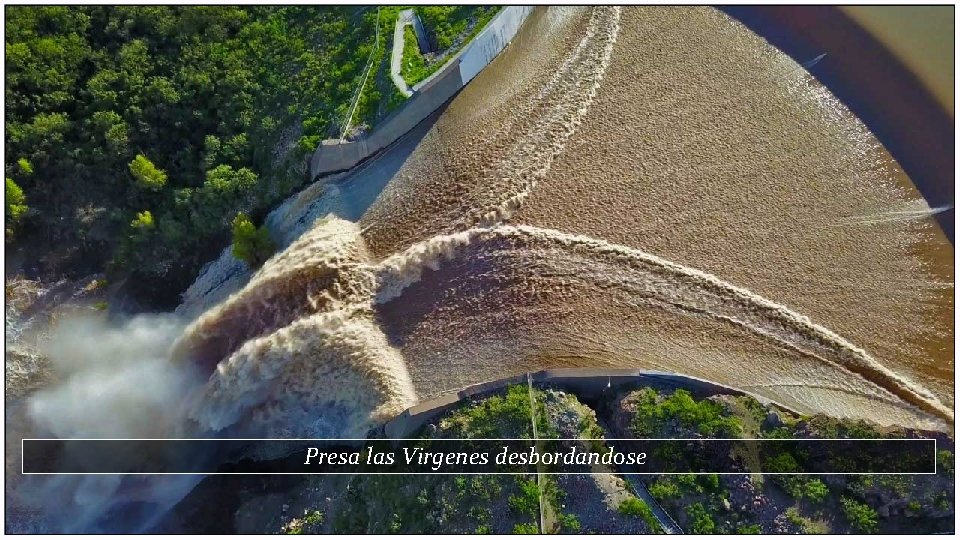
point(413, 68)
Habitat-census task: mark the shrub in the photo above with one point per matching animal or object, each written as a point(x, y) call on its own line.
point(297, 525)
point(861, 516)
point(700, 520)
point(710, 482)
point(250, 244)
point(794, 485)
point(664, 490)
point(688, 483)
point(148, 176)
point(753, 528)
point(945, 461)
point(816, 490)
point(706, 417)
point(633, 507)
point(526, 528)
point(794, 517)
point(636, 508)
point(569, 523)
point(498, 415)
point(528, 502)
point(943, 500)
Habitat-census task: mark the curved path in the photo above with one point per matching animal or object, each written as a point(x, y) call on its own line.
point(396, 56)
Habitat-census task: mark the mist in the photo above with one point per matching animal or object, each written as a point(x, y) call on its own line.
point(108, 380)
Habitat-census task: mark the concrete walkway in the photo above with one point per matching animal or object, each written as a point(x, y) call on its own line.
point(396, 57)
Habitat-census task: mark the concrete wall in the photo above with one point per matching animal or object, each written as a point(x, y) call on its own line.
point(493, 39)
point(586, 383)
point(333, 156)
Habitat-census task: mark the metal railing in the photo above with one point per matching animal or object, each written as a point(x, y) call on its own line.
point(366, 74)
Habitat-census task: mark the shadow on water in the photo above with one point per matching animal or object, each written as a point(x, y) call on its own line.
point(875, 85)
point(361, 187)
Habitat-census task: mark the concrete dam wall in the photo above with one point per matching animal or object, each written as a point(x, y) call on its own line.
point(586, 383)
point(334, 156)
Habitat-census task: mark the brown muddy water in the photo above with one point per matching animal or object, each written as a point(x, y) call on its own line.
point(702, 145)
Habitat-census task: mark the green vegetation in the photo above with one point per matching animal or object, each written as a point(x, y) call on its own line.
point(313, 519)
point(945, 462)
point(636, 508)
point(700, 520)
point(148, 176)
point(782, 463)
point(439, 501)
point(25, 167)
point(703, 503)
point(506, 415)
point(707, 418)
point(16, 206)
point(193, 113)
point(449, 29)
point(250, 244)
point(816, 491)
point(413, 68)
point(445, 24)
point(527, 502)
point(143, 221)
point(526, 528)
point(794, 517)
point(665, 489)
point(568, 523)
point(861, 516)
point(379, 96)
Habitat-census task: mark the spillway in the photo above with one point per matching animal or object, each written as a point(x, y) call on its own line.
point(630, 187)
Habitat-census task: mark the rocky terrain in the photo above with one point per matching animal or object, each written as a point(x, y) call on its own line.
point(606, 501)
point(782, 504)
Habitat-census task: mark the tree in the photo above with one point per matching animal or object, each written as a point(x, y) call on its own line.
point(147, 174)
point(95, 94)
point(16, 205)
point(250, 244)
point(144, 221)
point(26, 168)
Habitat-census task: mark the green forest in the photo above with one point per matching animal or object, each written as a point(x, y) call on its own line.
point(136, 135)
point(141, 140)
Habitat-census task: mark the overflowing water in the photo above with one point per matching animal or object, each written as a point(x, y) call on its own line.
point(625, 187)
